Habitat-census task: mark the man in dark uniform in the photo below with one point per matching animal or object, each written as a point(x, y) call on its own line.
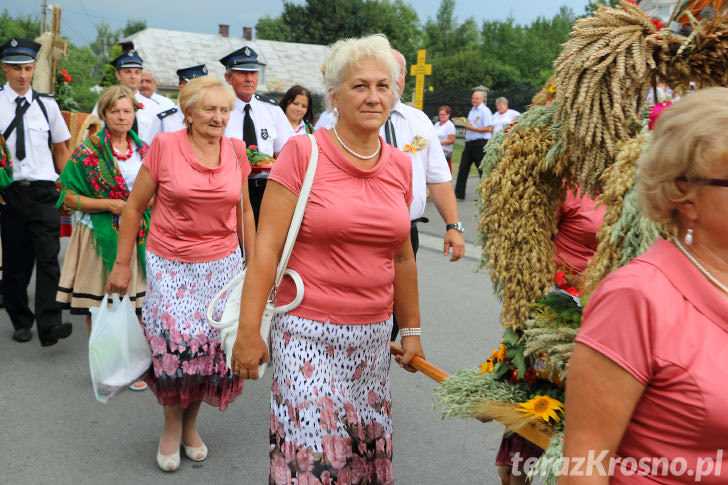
point(35, 133)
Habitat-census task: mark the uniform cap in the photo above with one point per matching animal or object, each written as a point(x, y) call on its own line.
point(19, 51)
point(189, 73)
point(128, 59)
point(243, 59)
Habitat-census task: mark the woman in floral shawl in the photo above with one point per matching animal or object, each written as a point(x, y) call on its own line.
point(95, 184)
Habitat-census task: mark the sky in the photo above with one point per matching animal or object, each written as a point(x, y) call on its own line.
point(80, 16)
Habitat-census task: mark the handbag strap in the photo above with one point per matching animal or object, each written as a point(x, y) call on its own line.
point(240, 168)
point(298, 212)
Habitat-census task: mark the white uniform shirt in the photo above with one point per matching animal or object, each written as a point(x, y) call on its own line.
point(326, 120)
point(443, 132)
point(157, 102)
point(38, 161)
point(428, 165)
point(172, 122)
point(502, 120)
point(272, 128)
point(148, 125)
point(479, 116)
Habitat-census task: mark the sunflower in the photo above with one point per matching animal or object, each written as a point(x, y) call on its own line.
point(486, 366)
point(543, 407)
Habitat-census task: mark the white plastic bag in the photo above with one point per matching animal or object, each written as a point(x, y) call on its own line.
point(118, 352)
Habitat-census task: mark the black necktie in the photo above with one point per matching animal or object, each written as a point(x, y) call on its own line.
point(389, 135)
point(249, 136)
point(20, 129)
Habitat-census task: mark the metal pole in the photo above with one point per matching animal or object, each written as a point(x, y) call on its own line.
point(43, 10)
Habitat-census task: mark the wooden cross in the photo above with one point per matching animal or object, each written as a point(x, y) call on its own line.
point(53, 48)
point(419, 71)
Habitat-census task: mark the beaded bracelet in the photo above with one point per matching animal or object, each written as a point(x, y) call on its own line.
point(410, 332)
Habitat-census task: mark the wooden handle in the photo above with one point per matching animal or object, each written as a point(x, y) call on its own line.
point(529, 431)
point(421, 364)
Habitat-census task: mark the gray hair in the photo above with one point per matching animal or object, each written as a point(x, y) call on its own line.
point(346, 53)
point(689, 140)
point(502, 100)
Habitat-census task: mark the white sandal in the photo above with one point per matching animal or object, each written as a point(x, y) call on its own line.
point(195, 454)
point(168, 463)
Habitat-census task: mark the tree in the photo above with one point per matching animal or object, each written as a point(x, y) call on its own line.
point(272, 29)
point(23, 27)
point(133, 26)
point(105, 39)
point(326, 21)
point(443, 36)
point(398, 21)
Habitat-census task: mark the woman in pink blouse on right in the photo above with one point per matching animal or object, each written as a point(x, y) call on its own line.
point(647, 379)
point(331, 419)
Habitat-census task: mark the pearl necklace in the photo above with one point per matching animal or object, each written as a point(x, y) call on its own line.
point(700, 267)
point(357, 155)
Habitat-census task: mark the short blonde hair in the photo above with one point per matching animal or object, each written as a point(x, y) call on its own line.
point(348, 53)
point(688, 140)
point(111, 95)
point(193, 92)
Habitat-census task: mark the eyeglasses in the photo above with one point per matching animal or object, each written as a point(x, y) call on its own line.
point(704, 181)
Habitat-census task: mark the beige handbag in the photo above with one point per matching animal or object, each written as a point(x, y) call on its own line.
point(228, 323)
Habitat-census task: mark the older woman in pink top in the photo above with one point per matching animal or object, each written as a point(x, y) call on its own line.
point(647, 381)
point(196, 177)
point(330, 401)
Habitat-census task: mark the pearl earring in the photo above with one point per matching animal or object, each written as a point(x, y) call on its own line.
point(336, 112)
point(689, 237)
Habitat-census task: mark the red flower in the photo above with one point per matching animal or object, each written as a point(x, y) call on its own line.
point(655, 112)
point(573, 291)
point(141, 105)
point(253, 147)
point(560, 279)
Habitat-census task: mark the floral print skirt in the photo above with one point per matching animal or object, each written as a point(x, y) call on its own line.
point(331, 414)
point(188, 364)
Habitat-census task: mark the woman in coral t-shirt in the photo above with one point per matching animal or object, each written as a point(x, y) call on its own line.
point(647, 388)
point(330, 398)
point(196, 177)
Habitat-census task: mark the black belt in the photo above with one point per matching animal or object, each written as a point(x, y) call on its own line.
point(30, 183)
